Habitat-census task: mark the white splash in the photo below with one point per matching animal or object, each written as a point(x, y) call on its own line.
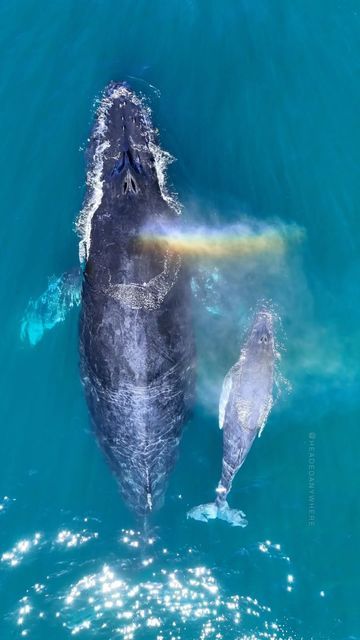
point(94, 180)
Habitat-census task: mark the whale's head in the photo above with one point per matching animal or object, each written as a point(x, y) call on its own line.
point(261, 339)
point(125, 176)
point(127, 139)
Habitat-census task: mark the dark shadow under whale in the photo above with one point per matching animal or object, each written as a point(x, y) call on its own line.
point(136, 340)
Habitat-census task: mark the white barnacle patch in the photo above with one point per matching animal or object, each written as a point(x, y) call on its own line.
point(149, 295)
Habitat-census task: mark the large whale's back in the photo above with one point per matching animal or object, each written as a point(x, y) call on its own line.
point(136, 342)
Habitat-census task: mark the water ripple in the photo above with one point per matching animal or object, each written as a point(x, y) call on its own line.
point(149, 596)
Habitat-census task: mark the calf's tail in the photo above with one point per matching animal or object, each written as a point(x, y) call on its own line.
point(218, 509)
point(210, 511)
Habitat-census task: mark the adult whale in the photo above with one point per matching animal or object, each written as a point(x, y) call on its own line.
point(136, 341)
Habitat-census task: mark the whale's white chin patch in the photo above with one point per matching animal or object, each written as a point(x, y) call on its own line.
point(149, 295)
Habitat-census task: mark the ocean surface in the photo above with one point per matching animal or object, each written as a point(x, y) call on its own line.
point(258, 103)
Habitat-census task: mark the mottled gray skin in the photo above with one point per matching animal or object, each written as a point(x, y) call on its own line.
point(136, 344)
point(245, 402)
point(245, 405)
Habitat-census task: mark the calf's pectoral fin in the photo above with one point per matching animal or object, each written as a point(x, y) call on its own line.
point(224, 397)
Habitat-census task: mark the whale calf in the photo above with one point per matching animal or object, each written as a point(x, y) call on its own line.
point(136, 340)
point(245, 403)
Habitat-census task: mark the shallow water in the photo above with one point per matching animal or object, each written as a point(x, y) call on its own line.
point(258, 102)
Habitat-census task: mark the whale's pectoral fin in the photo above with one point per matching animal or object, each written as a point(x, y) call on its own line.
point(52, 306)
point(203, 512)
point(206, 287)
point(224, 397)
point(210, 511)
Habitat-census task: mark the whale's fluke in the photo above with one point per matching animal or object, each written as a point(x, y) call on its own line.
point(210, 511)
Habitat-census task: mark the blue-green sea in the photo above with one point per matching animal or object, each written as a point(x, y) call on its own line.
point(258, 102)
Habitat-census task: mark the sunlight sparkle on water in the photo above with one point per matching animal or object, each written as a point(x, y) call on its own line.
point(65, 538)
point(20, 549)
point(71, 539)
point(165, 602)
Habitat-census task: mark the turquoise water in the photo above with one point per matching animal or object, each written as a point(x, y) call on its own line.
point(258, 102)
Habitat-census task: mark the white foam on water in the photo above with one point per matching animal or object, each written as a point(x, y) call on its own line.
point(162, 159)
point(94, 181)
